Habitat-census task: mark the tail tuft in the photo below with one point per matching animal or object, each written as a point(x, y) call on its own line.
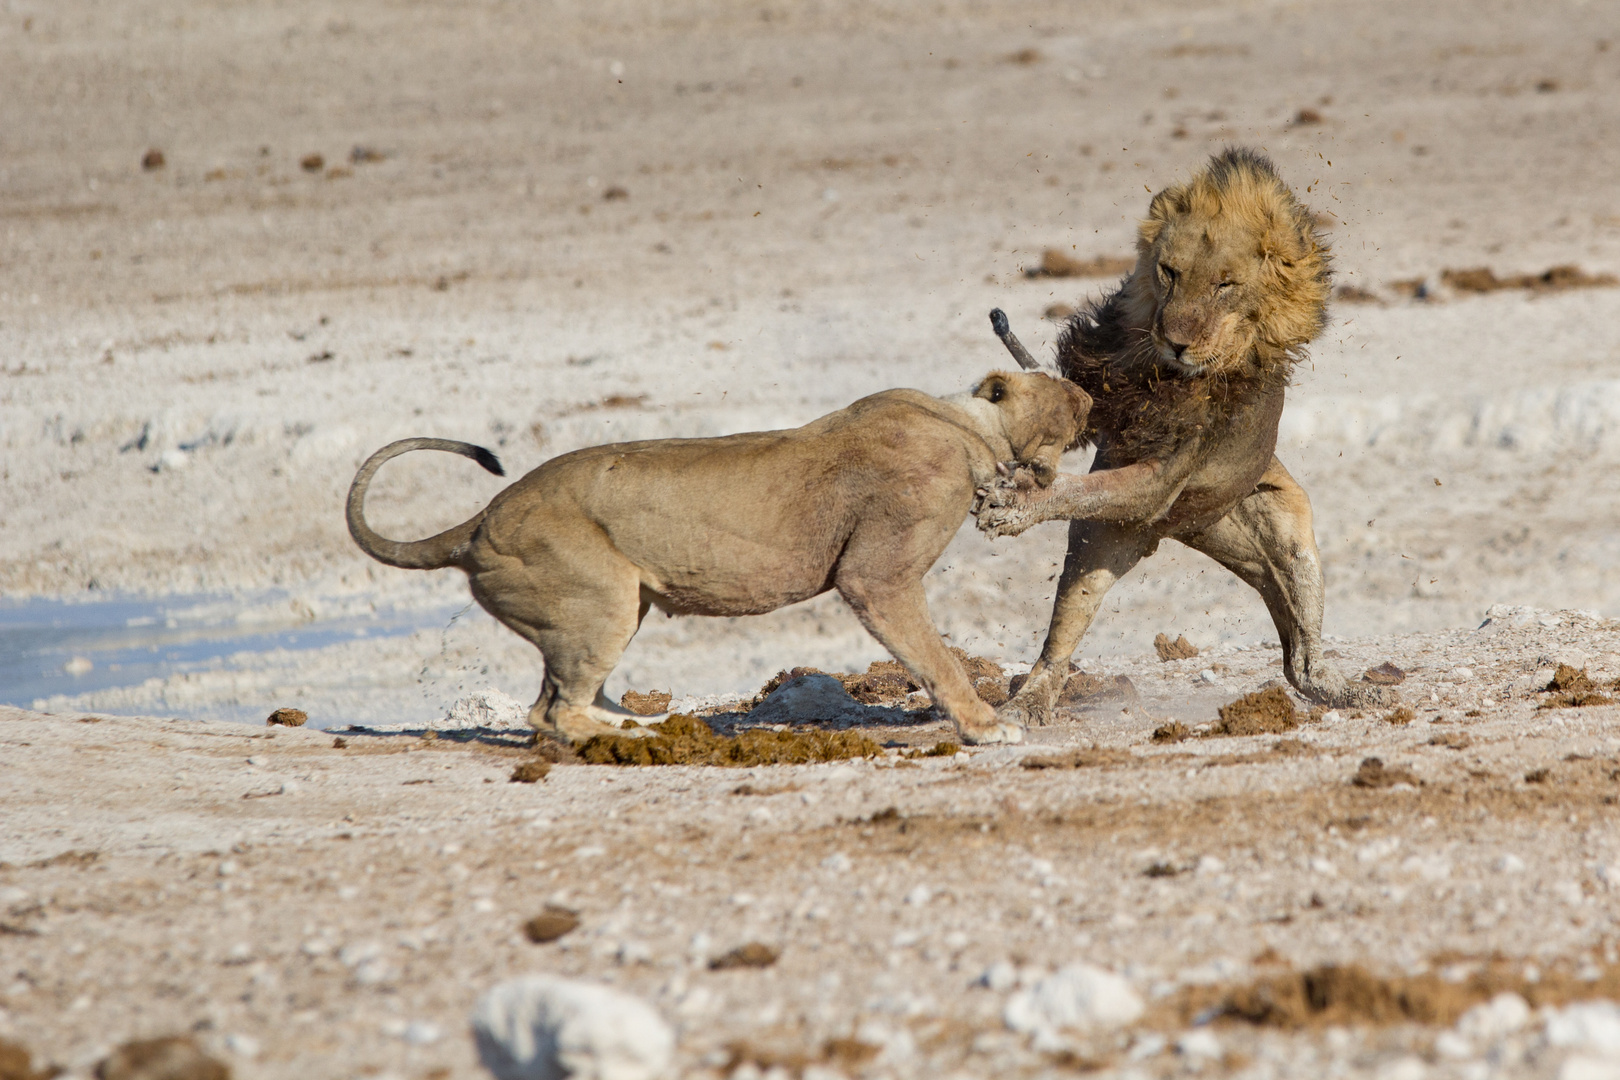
point(488, 460)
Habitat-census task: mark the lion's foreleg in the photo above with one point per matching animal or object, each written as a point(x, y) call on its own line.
point(1136, 494)
point(1099, 555)
point(1268, 541)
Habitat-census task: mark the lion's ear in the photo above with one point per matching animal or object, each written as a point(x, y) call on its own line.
point(993, 389)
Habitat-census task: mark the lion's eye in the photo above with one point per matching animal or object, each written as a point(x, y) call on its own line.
point(1224, 285)
point(1168, 272)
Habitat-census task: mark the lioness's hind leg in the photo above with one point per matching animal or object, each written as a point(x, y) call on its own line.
point(1268, 541)
point(581, 622)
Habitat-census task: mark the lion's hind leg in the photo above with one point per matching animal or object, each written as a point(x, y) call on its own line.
point(1268, 541)
point(581, 618)
point(1100, 553)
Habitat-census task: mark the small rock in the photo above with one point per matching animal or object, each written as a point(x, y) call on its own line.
point(242, 1045)
point(755, 954)
point(1200, 1043)
point(551, 924)
point(422, 1033)
point(312, 163)
point(287, 718)
point(152, 159)
point(173, 1057)
point(837, 862)
point(1076, 996)
point(919, 896)
point(1508, 864)
point(541, 1027)
point(999, 976)
point(808, 698)
point(1588, 1025)
point(1496, 1019)
point(1208, 676)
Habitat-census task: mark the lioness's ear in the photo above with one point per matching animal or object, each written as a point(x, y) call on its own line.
point(1079, 401)
point(993, 389)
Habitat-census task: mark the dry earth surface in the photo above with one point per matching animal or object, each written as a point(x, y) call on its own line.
point(542, 229)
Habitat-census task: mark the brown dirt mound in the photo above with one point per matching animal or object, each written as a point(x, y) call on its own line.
point(1084, 690)
point(1399, 716)
point(1373, 773)
point(531, 771)
point(1097, 757)
point(1481, 279)
point(1264, 712)
point(755, 954)
point(1385, 674)
point(887, 682)
point(287, 718)
point(1179, 649)
point(1173, 732)
point(551, 924)
point(17, 1064)
point(1572, 688)
point(651, 703)
point(1055, 263)
point(1332, 995)
point(939, 749)
point(174, 1057)
point(687, 740)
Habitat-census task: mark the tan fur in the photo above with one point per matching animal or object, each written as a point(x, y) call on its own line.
point(1188, 361)
point(573, 555)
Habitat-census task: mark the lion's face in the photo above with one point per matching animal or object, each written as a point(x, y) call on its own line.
point(1226, 262)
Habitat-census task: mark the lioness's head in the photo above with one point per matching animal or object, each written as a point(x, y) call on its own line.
point(1040, 416)
point(1229, 271)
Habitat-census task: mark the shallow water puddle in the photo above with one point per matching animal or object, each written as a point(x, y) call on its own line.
point(52, 646)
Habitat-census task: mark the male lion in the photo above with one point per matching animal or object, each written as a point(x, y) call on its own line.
point(863, 501)
point(1187, 362)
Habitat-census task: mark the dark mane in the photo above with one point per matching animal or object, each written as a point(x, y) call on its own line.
point(1140, 410)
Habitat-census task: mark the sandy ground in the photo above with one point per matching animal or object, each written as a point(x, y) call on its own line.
point(542, 230)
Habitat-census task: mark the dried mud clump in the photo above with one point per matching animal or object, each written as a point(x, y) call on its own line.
point(17, 1064)
point(1355, 294)
point(1481, 279)
point(687, 740)
point(1179, 649)
point(1373, 773)
point(287, 718)
point(532, 771)
point(1572, 688)
point(551, 924)
point(1400, 716)
point(1385, 674)
point(939, 749)
point(1083, 690)
point(651, 703)
point(1265, 712)
point(1173, 732)
point(1453, 740)
point(152, 159)
point(173, 1057)
point(1097, 757)
point(1055, 263)
point(1346, 995)
point(755, 954)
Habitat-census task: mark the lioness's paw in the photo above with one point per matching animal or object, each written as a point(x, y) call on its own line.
point(998, 732)
point(996, 521)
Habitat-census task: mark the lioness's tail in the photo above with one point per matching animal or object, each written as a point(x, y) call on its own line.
point(435, 552)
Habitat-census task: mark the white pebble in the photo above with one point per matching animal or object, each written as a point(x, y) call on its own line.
point(1076, 996)
point(1208, 675)
point(422, 1032)
point(919, 895)
point(1509, 864)
point(1201, 1043)
point(1589, 1025)
point(1210, 864)
point(999, 976)
point(242, 1045)
point(1331, 716)
point(541, 1027)
point(1462, 674)
point(837, 862)
point(1501, 1016)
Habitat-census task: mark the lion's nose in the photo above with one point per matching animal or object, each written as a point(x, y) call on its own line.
point(1176, 347)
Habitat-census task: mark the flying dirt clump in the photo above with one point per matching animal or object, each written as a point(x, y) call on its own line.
point(552, 923)
point(1264, 712)
point(687, 740)
point(1482, 279)
point(1179, 649)
point(755, 954)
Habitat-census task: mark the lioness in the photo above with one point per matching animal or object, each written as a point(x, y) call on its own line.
point(862, 501)
point(1188, 361)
